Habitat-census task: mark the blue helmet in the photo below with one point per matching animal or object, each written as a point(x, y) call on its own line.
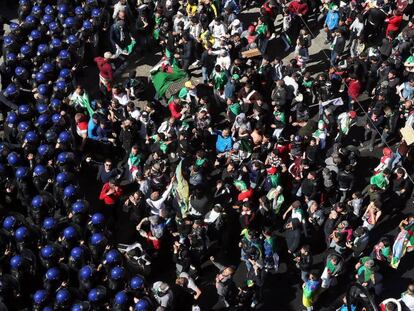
point(12, 158)
point(97, 219)
point(69, 191)
point(62, 8)
point(43, 150)
point(31, 137)
point(40, 77)
point(16, 262)
point(25, 49)
point(36, 9)
point(72, 39)
point(56, 43)
point(11, 57)
point(64, 137)
point(19, 71)
point(85, 273)
point(60, 85)
point(24, 109)
point(21, 172)
point(55, 103)
point(70, 233)
point(78, 307)
point(39, 170)
point(52, 274)
point(42, 49)
point(77, 253)
point(47, 19)
point(69, 22)
point(30, 19)
point(21, 234)
point(142, 305)
point(49, 9)
point(96, 12)
point(47, 251)
point(11, 117)
point(37, 202)
point(40, 296)
point(62, 178)
point(9, 223)
point(64, 54)
point(23, 126)
point(79, 207)
point(46, 68)
point(56, 117)
point(51, 136)
point(96, 295)
point(97, 239)
point(62, 296)
point(14, 26)
point(64, 157)
point(43, 119)
point(42, 89)
point(64, 73)
point(79, 10)
point(53, 26)
point(41, 108)
point(49, 223)
point(8, 40)
point(117, 273)
point(35, 34)
point(121, 298)
point(136, 282)
point(113, 256)
point(11, 89)
point(87, 25)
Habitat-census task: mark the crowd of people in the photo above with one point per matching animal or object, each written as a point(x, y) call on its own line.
point(123, 197)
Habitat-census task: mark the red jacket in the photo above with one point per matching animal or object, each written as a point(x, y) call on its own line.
point(175, 110)
point(104, 67)
point(394, 23)
point(354, 88)
point(112, 198)
point(298, 8)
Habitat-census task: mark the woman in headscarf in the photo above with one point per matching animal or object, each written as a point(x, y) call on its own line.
point(240, 122)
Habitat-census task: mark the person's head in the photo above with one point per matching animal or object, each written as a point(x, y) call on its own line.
point(334, 259)
point(134, 150)
point(227, 272)
point(313, 206)
point(226, 132)
point(155, 196)
point(400, 172)
point(312, 175)
point(304, 250)
point(390, 306)
point(108, 164)
point(182, 281)
point(408, 104)
point(410, 288)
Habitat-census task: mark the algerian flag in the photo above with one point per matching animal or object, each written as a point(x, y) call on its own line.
point(182, 190)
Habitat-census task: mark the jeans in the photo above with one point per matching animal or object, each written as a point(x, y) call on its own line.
point(205, 74)
point(334, 56)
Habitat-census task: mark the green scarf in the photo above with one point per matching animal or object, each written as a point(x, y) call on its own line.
point(200, 162)
point(134, 159)
point(235, 108)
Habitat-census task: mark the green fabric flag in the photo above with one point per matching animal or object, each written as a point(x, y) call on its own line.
point(131, 46)
point(182, 190)
point(379, 180)
point(163, 80)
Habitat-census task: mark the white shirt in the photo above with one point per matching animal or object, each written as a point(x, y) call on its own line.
point(408, 301)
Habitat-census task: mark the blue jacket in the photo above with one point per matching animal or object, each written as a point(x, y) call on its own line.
point(224, 144)
point(92, 128)
point(332, 20)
